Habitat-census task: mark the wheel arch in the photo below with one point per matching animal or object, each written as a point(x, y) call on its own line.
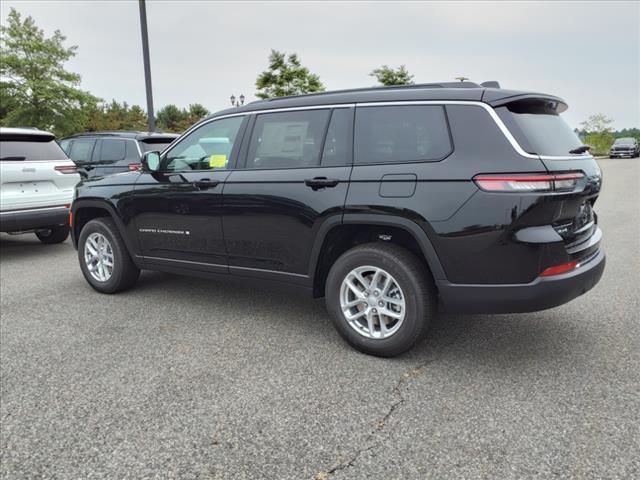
point(84, 211)
point(352, 229)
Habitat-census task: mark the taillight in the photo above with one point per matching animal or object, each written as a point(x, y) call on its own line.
point(135, 167)
point(66, 169)
point(528, 182)
point(558, 269)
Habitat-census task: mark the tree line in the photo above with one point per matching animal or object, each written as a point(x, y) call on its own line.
point(37, 91)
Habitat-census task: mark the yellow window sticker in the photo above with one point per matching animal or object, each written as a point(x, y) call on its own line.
point(217, 161)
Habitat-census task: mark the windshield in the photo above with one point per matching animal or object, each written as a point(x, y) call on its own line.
point(538, 128)
point(624, 141)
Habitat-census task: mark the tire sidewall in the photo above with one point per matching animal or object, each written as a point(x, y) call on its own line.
point(111, 285)
point(415, 312)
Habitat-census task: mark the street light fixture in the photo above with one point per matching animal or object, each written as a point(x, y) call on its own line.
point(462, 79)
point(237, 103)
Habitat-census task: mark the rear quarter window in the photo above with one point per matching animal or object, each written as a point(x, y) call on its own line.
point(538, 127)
point(400, 134)
point(14, 149)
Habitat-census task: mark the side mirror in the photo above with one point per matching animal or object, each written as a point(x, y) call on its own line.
point(151, 161)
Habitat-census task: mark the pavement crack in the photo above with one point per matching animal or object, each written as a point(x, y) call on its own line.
point(406, 376)
point(369, 443)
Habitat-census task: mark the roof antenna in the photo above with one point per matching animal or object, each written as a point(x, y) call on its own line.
point(490, 84)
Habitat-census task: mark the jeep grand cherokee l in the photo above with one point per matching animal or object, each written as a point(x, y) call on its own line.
point(389, 202)
point(37, 182)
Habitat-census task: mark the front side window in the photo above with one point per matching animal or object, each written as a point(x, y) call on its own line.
point(81, 149)
point(206, 148)
point(399, 134)
point(287, 139)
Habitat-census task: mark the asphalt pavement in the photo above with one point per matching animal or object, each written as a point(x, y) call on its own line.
point(193, 378)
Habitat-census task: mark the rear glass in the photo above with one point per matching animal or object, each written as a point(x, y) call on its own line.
point(17, 150)
point(538, 128)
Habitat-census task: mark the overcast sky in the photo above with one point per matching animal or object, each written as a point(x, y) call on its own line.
point(586, 52)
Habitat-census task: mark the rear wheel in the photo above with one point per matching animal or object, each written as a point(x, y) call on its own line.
point(381, 298)
point(104, 259)
point(53, 235)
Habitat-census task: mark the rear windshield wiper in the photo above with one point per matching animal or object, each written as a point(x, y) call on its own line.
point(13, 158)
point(580, 149)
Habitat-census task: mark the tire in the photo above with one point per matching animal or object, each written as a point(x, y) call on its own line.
point(416, 287)
point(53, 235)
point(124, 272)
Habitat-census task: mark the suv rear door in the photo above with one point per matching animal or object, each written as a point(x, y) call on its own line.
point(293, 175)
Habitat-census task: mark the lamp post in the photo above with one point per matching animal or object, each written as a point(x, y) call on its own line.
point(462, 79)
point(147, 65)
point(237, 103)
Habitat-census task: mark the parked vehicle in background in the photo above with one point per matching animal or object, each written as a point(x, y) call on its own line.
point(625, 147)
point(97, 154)
point(37, 182)
point(389, 202)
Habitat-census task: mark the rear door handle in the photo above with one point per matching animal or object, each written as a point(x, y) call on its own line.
point(205, 183)
point(321, 182)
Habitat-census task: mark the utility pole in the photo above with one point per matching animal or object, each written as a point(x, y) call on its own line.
point(147, 65)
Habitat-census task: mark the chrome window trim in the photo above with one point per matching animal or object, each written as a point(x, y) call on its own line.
point(492, 113)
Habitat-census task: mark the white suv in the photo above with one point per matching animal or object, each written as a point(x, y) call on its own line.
point(37, 181)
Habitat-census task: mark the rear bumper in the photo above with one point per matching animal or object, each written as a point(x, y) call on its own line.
point(542, 293)
point(33, 218)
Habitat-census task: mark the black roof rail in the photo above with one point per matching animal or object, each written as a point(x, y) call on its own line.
point(382, 87)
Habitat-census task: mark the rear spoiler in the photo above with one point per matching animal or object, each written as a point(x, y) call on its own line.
point(496, 99)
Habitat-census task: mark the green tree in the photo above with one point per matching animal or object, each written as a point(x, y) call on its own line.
point(193, 114)
point(37, 91)
point(170, 118)
point(386, 75)
point(116, 116)
point(598, 134)
point(286, 76)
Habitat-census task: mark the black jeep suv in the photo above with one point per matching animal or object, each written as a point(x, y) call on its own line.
point(97, 154)
point(389, 202)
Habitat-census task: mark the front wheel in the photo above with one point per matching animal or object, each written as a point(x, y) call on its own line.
point(53, 235)
point(104, 259)
point(381, 298)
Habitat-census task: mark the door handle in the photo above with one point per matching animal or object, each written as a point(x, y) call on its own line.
point(205, 183)
point(317, 183)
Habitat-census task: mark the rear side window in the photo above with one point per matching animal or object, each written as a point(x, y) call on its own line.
point(538, 127)
point(27, 150)
point(81, 149)
point(113, 149)
point(287, 139)
point(398, 134)
point(337, 145)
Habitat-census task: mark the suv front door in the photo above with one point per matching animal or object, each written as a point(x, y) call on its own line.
point(293, 175)
point(178, 210)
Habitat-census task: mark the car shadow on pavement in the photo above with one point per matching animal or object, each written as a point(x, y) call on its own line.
point(515, 341)
point(27, 246)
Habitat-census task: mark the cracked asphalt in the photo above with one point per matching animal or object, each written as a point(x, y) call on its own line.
point(192, 378)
